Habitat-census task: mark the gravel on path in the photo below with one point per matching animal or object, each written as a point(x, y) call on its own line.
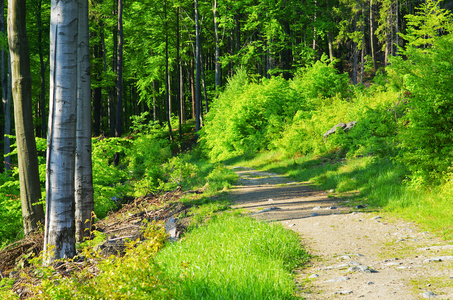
point(356, 254)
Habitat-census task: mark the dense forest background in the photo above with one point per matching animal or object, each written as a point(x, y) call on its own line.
point(161, 44)
point(248, 76)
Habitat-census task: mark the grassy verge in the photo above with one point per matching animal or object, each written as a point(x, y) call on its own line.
point(234, 258)
point(222, 256)
point(377, 182)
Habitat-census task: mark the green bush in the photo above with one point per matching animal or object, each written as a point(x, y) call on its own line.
point(425, 131)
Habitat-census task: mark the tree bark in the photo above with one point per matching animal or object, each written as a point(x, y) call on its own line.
point(84, 202)
point(30, 189)
point(167, 77)
point(218, 66)
point(372, 37)
point(179, 87)
point(61, 140)
point(6, 93)
point(42, 105)
point(197, 70)
point(119, 80)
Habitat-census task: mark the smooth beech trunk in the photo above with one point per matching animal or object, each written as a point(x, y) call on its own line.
point(84, 204)
point(30, 189)
point(61, 139)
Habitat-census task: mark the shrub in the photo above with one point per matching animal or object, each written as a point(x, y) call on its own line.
point(425, 131)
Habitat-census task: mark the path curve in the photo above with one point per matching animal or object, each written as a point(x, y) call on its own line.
point(356, 254)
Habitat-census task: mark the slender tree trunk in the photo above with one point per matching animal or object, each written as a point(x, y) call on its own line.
point(396, 28)
point(6, 93)
point(203, 80)
point(84, 202)
point(167, 77)
point(30, 189)
point(192, 88)
point(178, 62)
point(154, 101)
point(372, 37)
point(113, 91)
point(218, 66)
point(61, 139)
point(43, 73)
point(355, 54)
point(197, 70)
point(119, 80)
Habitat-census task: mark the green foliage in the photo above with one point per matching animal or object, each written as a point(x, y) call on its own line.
point(10, 209)
point(234, 258)
point(425, 132)
point(247, 116)
point(319, 81)
point(108, 180)
point(133, 276)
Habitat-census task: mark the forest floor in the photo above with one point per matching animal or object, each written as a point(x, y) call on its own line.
point(355, 253)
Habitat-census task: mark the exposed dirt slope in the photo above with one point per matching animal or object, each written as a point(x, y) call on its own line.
point(356, 254)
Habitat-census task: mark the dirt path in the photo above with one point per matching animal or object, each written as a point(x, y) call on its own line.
point(357, 254)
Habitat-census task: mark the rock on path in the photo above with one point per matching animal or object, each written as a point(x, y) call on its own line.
point(356, 254)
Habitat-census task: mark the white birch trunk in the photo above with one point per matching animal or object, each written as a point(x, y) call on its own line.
point(61, 140)
point(84, 204)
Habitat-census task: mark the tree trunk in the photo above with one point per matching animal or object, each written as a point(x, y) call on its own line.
point(355, 55)
point(197, 70)
point(30, 189)
point(179, 89)
point(167, 76)
point(372, 46)
point(218, 66)
point(119, 79)
point(192, 88)
point(203, 80)
point(84, 203)
point(61, 140)
point(43, 74)
point(6, 93)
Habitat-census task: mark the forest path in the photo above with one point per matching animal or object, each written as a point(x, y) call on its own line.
point(356, 254)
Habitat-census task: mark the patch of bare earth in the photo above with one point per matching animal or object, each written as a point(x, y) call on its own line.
point(356, 254)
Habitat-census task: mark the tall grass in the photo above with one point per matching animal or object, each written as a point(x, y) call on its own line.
point(234, 258)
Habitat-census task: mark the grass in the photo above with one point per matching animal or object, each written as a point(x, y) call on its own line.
point(378, 182)
point(234, 257)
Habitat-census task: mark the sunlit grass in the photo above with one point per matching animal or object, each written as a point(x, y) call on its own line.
point(234, 257)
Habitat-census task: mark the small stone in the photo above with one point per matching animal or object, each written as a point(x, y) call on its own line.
point(376, 218)
point(331, 191)
point(338, 279)
point(359, 206)
point(342, 266)
point(438, 259)
point(370, 282)
point(344, 292)
point(316, 207)
point(429, 295)
point(291, 225)
point(314, 214)
point(331, 207)
point(345, 257)
point(312, 276)
point(270, 200)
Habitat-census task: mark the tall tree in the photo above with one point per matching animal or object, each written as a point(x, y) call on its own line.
point(84, 203)
point(61, 139)
point(30, 189)
point(6, 92)
point(197, 70)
